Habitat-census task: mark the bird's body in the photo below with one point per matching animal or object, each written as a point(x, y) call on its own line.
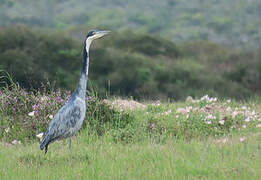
point(70, 117)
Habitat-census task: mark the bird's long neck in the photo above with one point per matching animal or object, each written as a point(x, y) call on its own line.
point(81, 89)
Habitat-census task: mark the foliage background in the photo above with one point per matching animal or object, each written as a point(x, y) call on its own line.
point(158, 49)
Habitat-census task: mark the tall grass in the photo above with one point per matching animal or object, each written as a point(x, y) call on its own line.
point(203, 138)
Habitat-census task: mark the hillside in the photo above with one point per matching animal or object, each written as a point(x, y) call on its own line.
point(229, 22)
point(129, 64)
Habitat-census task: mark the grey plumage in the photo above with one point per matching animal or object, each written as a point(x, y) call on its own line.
point(70, 117)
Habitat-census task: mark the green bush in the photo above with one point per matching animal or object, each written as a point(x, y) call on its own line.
point(25, 114)
point(130, 64)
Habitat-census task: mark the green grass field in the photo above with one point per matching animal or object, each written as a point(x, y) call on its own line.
point(205, 138)
point(102, 159)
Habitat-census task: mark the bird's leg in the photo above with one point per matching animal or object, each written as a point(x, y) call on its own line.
point(70, 145)
point(77, 139)
point(46, 149)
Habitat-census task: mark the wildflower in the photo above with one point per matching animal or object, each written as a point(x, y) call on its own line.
point(244, 107)
point(234, 114)
point(212, 99)
point(204, 98)
point(14, 142)
point(244, 126)
point(189, 99)
point(40, 136)
point(35, 107)
point(221, 122)
point(225, 140)
point(241, 139)
point(258, 126)
point(181, 110)
point(229, 101)
point(7, 129)
point(167, 112)
point(188, 109)
point(152, 126)
point(247, 119)
point(228, 109)
point(89, 98)
point(157, 103)
point(208, 122)
point(210, 116)
point(44, 98)
point(31, 113)
point(253, 113)
point(50, 116)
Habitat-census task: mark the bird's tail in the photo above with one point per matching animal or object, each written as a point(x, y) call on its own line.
point(45, 142)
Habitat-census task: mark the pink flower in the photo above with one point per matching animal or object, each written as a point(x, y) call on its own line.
point(35, 107)
point(152, 126)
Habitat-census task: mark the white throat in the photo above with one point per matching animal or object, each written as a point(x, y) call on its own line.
point(88, 44)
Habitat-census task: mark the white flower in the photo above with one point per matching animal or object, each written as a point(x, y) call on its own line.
point(50, 116)
point(225, 140)
point(234, 114)
point(258, 126)
point(40, 135)
point(244, 126)
point(168, 112)
point(189, 99)
point(44, 98)
point(229, 101)
point(247, 119)
point(188, 109)
point(228, 109)
point(15, 142)
point(253, 113)
point(221, 122)
point(208, 122)
point(204, 98)
point(244, 107)
point(31, 114)
point(7, 129)
point(181, 110)
point(241, 139)
point(213, 99)
point(210, 116)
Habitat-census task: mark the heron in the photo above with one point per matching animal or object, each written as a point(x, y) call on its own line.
point(68, 120)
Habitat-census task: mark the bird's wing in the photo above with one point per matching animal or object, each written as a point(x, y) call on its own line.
point(66, 120)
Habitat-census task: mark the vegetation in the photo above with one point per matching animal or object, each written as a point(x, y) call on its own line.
point(159, 52)
point(223, 21)
point(201, 138)
point(23, 115)
point(130, 64)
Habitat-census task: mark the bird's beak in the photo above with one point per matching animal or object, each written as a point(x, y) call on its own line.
point(100, 34)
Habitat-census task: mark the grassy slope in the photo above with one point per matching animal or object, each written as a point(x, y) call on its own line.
point(105, 160)
point(101, 158)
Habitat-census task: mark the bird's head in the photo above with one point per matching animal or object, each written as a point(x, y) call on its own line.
point(92, 35)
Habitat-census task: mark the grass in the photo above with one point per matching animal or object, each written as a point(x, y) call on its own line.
point(204, 138)
point(93, 158)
